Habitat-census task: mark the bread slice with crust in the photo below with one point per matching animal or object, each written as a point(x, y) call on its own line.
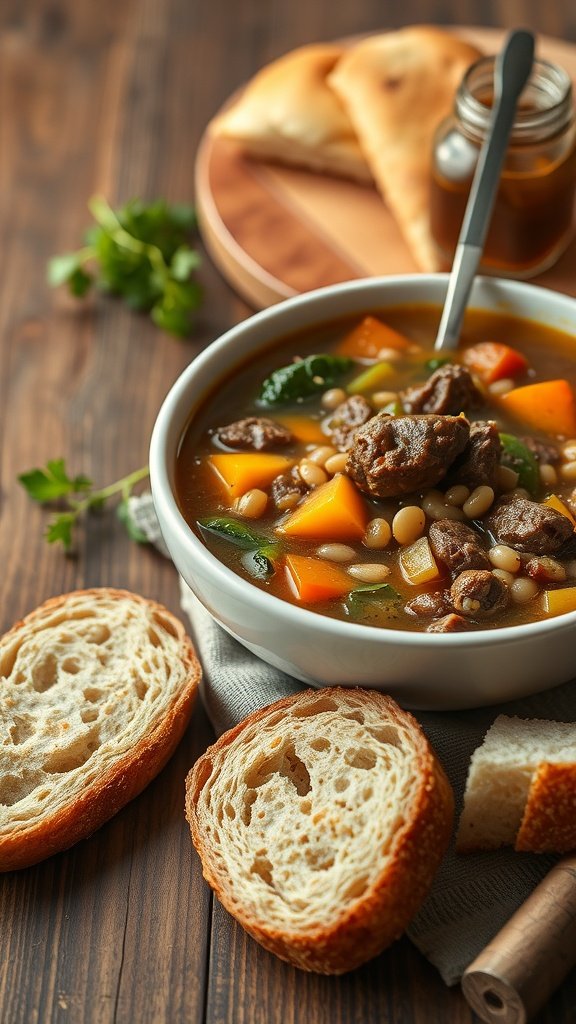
point(96, 690)
point(320, 822)
point(521, 788)
point(287, 113)
point(397, 87)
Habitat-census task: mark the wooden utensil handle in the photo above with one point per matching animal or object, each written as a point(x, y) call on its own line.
point(514, 975)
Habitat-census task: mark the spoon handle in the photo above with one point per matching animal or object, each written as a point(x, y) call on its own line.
point(511, 72)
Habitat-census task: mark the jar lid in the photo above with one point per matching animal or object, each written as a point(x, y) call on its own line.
point(544, 108)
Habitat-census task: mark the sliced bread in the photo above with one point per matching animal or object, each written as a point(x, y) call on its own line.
point(320, 822)
point(396, 88)
point(288, 113)
point(521, 788)
point(96, 690)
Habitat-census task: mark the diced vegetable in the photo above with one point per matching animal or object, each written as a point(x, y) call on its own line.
point(333, 511)
point(558, 601)
point(548, 406)
point(370, 594)
point(492, 360)
point(240, 472)
point(303, 378)
point(418, 563)
point(517, 456)
point(553, 501)
point(314, 579)
point(371, 335)
point(234, 531)
point(436, 362)
point(259, 565)
point(371, 379)
point(304, 428)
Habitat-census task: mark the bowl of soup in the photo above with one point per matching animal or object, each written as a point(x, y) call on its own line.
point(357, 508)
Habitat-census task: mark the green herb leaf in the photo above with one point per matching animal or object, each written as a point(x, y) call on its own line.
point(517, 456)
point(235, 531)
point(369, 593)
point(133, 531)
point(52, 482)
point(304, 378)
point(258, 565)
point(60, 529)
point(141, 253)
point(61, 268)
point(436, 362)
point(184, 261)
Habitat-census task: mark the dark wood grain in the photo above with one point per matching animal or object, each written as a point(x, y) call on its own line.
point(113, 96)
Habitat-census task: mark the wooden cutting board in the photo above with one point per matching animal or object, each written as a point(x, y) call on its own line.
point(275, 231)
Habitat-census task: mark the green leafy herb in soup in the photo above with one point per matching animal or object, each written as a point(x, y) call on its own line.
point(353, 471)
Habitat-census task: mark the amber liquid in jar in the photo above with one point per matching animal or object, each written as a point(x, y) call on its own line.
point(532, 220)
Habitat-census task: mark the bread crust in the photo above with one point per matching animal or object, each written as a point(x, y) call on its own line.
point(549, 822)
point(288, 113)
point(397, 87)
point(362, 927)
point(128, 774)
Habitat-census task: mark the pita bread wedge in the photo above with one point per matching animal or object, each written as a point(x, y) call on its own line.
point(288, 113)
point(397, 87)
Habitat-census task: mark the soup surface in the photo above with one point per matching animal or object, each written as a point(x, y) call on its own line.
point(354, 471)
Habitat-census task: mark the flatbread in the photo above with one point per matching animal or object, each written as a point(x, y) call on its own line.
point(288, 113)
point(397, 88)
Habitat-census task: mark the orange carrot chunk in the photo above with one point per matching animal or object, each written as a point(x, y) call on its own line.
point(313, 579)
point(548, 406)
point(332, 511)
point(369, 337)
point(560, 601)
point(492, 360)
point(238, 473)
point(553, 501)
point(304, 428)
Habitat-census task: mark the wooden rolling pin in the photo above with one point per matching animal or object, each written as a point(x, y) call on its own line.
point(511, 979)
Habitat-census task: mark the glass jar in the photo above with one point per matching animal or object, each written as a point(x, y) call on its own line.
point(532, 220)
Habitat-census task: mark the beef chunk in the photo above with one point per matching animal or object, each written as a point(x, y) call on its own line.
point(449, 391)
point(255, 432)
point(528, 526)
point(394, 455)
point(478, 594)
point(544, 451)
point(451, 623)
point(457, 546)
point(285, 484)
point(345, 420)
point(480, 459)
point(429, 604)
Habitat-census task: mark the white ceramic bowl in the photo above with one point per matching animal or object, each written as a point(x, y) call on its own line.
point(421, 670)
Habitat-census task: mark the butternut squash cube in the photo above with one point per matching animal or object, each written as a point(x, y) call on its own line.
point(238, 473)
point(369, 337)
point(313, 579)
point(304, 428)
point(553, 501)
point(333, 511)
point(556, 602)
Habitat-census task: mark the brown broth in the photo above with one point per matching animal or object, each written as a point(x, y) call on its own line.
point(550, 354)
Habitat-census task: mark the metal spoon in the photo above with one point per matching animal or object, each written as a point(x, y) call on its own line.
point(511, 72)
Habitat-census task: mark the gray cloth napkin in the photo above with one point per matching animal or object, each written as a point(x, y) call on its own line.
point(473, 895)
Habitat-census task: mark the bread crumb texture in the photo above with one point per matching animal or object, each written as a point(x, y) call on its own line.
point(320, 823)
point(507, 780)
point(96, 689)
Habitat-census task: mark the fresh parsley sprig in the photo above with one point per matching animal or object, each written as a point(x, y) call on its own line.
point(76, 495)
point(142, 253)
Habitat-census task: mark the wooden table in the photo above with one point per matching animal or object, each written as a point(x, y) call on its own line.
point(112, 97)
